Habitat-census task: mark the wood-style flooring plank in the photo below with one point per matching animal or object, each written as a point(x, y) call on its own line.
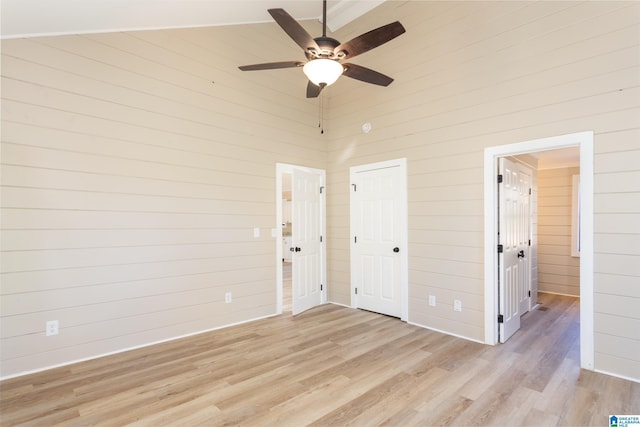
point(332, 366)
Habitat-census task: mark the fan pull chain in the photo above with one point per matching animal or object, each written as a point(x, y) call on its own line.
point(321, 114)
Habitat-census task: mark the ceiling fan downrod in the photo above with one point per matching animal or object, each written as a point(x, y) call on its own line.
point(324, 18)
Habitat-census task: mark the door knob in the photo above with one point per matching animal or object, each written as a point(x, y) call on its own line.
point(298, 249)
point(521, 254)
point(396, 249)
point(292, 249)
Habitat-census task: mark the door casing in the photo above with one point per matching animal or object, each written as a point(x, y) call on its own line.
point(584, 141)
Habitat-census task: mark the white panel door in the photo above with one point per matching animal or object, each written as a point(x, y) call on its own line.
point(514, 235)
point(306, 253)
point(377, 223)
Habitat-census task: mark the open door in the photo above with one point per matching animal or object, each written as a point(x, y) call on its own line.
point(306, 247)
point(513, 251)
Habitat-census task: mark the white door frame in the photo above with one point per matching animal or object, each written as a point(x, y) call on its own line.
point(282, 168)
point(583, 140)
point(403, 245)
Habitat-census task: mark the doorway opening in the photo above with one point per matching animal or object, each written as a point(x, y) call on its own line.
point(300, 242)
point(584, 142)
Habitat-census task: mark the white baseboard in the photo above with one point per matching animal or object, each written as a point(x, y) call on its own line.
point(340, 304)
point(446, 333)
point(20, 374)
point(635, 380)
point(558, 293)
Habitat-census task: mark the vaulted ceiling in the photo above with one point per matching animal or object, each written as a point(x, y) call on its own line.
point(28, 18)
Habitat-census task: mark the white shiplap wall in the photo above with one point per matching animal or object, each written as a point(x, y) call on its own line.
point(471, 75)
point(134, 169)
point(132, 182)
point(617, 258)
point(559, 271)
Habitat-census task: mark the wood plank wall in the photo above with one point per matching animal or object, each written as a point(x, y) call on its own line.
point(617, 254)
point(132, 182)
point(134, 169)
point(471, 75)
point(558, 270)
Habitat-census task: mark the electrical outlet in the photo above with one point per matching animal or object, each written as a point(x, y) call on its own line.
point(256, 232)
point(457, 305)
point(52, 328)
point(227, 297)
point(432, 300)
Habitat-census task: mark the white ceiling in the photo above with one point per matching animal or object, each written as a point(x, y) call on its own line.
point(32, 18)
point(560, 158)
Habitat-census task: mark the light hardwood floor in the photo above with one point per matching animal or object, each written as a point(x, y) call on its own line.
point(333, 366)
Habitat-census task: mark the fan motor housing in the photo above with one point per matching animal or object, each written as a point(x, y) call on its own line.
point(327, 46)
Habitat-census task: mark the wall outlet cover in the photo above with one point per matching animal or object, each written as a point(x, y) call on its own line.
point(52, 328)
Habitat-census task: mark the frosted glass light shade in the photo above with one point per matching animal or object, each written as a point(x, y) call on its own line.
point(322, 71)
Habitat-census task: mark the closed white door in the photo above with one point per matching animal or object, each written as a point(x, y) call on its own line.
point(378, 232)
point(306, 252)
point(514, 258)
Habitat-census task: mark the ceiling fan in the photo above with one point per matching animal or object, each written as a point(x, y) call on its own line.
point(325, 54)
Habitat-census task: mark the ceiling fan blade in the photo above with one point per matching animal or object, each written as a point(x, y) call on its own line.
point(372, 39)
point(313, 91)
point(294, 30)
point(366, 75)
point(272, 65)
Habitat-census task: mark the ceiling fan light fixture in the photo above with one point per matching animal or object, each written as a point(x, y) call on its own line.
point(323, 71)
point(325, 54)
